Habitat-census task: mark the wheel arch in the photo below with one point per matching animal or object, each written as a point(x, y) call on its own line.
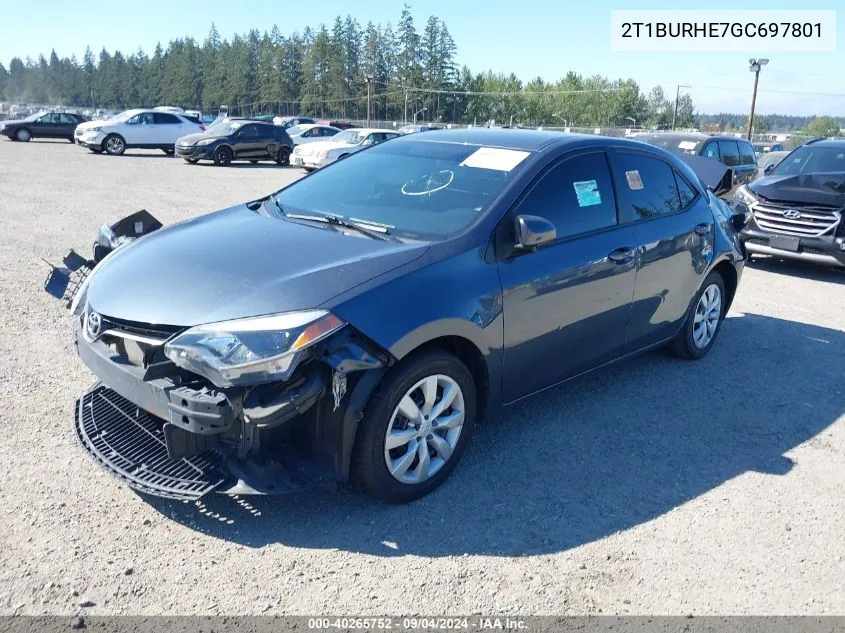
point(462, 347)
point(730, 277)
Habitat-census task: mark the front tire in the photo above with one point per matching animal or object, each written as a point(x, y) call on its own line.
point(23, 135)
point(114, 145)
point(169, 152)
point(415, 428)
point(283, 157)
point(192, 161)
point(223, 157)
point(704, 320)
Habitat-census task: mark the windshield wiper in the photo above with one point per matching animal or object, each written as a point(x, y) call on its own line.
point(370, 229)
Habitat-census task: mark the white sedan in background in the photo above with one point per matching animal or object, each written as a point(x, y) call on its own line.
point(312, 156)
point(142, 129)
point(311, 132)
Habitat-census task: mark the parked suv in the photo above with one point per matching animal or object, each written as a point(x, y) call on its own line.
point(795, 210)
point(237, 139)
point(143, 129)
point(736, 153)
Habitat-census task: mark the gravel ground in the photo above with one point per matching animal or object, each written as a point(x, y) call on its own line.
point(658, 486)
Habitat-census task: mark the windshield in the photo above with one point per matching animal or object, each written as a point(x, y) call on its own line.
point(35, 117)
point(353, 137)
point(812, 159)
point(223, 128)
point(422, 190)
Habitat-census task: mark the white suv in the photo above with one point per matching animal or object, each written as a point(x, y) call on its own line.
point(143, 129)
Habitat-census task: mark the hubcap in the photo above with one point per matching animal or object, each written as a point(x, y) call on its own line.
point(707, 314)
point(424, 429)
point(114, 145)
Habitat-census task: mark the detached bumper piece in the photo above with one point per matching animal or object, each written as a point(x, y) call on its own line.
point(131, 443)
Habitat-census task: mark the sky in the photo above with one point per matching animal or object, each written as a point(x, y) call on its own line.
point(529, 38)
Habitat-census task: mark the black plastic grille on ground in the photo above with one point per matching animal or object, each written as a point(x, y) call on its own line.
point(130, 443)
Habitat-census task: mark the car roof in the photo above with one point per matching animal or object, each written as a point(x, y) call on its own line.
point(511, 138)
point(827, 142)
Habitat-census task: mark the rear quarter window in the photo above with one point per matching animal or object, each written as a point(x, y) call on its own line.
point(746, 154)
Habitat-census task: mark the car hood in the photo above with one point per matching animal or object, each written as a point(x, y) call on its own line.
point(237, 263)
point(191, 139)
point(826, 189)
point(13, 122)
point(90, 124)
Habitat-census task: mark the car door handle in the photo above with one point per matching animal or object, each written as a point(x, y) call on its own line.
point(703, 229)
point(621, 255)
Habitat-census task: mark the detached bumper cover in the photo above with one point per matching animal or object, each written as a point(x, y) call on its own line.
point(130, 443)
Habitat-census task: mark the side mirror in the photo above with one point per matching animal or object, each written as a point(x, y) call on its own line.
point(533, 231)
point(769, 168)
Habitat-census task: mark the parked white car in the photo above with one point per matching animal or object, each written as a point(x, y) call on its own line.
point(312, 156)
point(311, 132)
point(142, 129)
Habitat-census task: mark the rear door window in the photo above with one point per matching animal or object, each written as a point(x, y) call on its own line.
point(165, 118)
point(746, 154)
point(730, 153)
point(647, 187)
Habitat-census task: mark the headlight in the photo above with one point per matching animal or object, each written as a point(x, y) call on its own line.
point(251, 351)
point(205, 141)
point(91, 129)
point(744, 197)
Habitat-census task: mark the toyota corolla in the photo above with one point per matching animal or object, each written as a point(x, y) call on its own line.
point(359, 323)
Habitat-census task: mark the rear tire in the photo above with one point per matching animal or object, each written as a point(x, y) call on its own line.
point(427, 439)
point(114, 145)
point(704, 320)
point(192, 161)
point(72, 140)
point(223, 157)
point(253, 162)
point(283, 157)
point(23, 135)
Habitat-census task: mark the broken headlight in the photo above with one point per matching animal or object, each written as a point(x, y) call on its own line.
point(253, 350)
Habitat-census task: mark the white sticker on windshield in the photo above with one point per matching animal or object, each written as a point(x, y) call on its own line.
point(687, 145)
point(495, 158)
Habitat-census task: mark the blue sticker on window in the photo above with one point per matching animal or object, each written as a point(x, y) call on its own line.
point(587, 192)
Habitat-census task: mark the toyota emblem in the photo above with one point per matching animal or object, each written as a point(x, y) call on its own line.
point(791, 214)
point(93, 324)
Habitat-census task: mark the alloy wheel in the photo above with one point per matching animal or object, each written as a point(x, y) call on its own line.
point(424, 429)
point(114, 145)
point(707, 315)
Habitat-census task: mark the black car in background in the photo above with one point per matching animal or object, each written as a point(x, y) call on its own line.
point(279, 367)
point(43, 125)
point(795, 210)
point(733, 152)
point(237, 139)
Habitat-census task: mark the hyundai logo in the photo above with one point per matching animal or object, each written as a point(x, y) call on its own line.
point(93, 324)
point(792, 214)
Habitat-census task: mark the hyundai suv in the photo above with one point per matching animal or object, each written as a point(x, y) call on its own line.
point(795, 210)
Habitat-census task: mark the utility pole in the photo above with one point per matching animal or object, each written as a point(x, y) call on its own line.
point(677, 98)
point(754, 66)
point(369, 79)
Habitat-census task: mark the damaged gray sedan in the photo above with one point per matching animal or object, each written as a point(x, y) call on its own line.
point(358, 323)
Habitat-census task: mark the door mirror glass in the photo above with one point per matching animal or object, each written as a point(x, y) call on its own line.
point(533, 231)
